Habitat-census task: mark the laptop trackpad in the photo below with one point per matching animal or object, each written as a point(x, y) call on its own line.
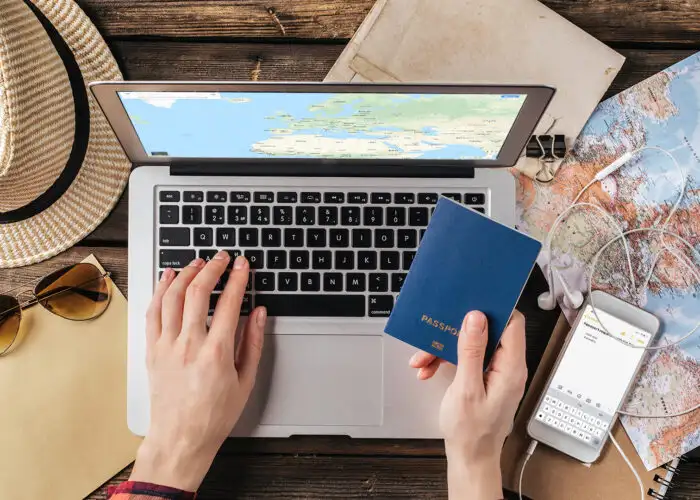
point(320, 380)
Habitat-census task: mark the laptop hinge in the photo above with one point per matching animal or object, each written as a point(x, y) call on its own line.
point(295, 169)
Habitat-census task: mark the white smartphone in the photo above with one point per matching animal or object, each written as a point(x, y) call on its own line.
point(592, 377)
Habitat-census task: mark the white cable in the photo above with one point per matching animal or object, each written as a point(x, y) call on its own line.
point(623, 236)
point(530, 451)
point(629, 464)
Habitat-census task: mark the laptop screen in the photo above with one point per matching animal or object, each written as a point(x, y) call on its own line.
point(196, 124)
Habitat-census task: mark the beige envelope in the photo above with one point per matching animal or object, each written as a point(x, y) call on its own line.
point(484, 41)
point(63, 414)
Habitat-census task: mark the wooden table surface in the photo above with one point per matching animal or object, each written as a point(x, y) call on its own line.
point(300, 40)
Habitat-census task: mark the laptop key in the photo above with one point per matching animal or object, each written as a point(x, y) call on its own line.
point(193, 196)
point(318, 305)
point(310, 282)
point(474, 198)
point(287, 197)
point(321, 259)
point(374, 216)
point(287, 282)
point(240, 197)
point(216, 196)
point(418, 216)
point(293, 237)
point(382, 198)
point(355, 282)
point(397, 280)
point(455, 196)
point(378, 282)
point(357, 198)
point(396, 216)
point(276, 259)
point(367, 260)
point(256, 258)
point(479, 209)
point(272, 237)
point(311, 197)
point(306, 216)
point(221, 284)
point(259, 216)
point(427, 198)
point(207, 255)
point(384, 238)
point(299, 259)
point(214, 214)
point(171, 196)
point(380, 306)
point(246, 304)
point(332, 282)
point(350, 216)
point(264, 282)
point(344, 260)
point(282, 216)
point(421, 233)
point(225, 236)
point(248, 237)
point(168, 214)
point(389, 261)
point(263, 197)
point(213, 300)
point(361, 238)
point(334, 197)
point(316, 238)
point(174, 236)
point(203, 236)
point(339, 238)
point(237, 215)
point(408, 260)
point(176, 259)
point(406, 238)
point(328, 216)
point(404, 198)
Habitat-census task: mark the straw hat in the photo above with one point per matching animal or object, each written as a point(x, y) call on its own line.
point(61, 168)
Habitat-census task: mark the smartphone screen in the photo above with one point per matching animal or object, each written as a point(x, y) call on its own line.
point(592, 377)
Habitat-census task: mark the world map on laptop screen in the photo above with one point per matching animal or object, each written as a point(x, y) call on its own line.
point(322, 125)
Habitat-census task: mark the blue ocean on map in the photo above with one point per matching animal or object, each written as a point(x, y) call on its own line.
point(228, 126)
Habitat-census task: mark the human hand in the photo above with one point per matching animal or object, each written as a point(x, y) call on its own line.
point(199, 381)
point(478, 408)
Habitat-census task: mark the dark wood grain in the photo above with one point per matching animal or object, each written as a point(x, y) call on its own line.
point(611, 21)
point(318, 19)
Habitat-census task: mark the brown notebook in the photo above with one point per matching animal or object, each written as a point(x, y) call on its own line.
point(551, 475)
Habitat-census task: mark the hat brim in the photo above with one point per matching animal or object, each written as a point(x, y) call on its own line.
point(105, 170)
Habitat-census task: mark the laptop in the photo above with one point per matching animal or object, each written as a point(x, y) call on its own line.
point(327, 189)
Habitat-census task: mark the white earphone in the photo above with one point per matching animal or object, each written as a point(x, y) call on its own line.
point(548, 301)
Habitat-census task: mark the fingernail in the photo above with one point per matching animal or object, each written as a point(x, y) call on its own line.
point(474, 323)
point(221, 255)
point(413, 359)
point(167, 274)
point(419, 375)
point(261, 317)
point(239, 263)
point(198, 262)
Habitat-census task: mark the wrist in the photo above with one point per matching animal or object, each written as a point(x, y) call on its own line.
point(176, 465)
point(477, 478)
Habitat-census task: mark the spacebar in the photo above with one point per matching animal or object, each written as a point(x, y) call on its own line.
point(312, 305)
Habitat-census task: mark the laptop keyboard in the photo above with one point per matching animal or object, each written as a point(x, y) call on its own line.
point(311, 253)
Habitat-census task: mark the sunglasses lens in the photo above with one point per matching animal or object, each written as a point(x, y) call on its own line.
point(10, 315)
point(76, 292)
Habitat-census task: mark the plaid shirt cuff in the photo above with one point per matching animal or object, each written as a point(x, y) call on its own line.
point(132, 490)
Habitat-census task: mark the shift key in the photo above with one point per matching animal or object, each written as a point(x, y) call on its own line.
point(176, 258)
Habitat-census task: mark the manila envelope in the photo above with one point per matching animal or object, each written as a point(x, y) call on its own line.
point(63, 412)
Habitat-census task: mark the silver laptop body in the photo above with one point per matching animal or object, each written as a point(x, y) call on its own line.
point(326, 188)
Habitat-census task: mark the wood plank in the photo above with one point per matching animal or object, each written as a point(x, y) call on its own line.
point(237, 476)
point(323, 19)
point(642, 64)
point(157, 60)
point(611, 21)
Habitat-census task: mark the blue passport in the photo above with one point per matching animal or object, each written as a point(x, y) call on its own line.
point(465, 262)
